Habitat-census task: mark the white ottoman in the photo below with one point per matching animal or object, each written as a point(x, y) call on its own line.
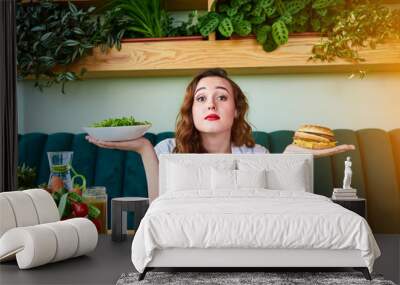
point(31, 230)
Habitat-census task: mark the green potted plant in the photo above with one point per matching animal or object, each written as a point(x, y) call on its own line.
point(26, 177)
point(149, 21)
point(269, 21)
point(348, 25)
point(363, 25)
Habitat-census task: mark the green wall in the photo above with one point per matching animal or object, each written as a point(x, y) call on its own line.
point(276, 102)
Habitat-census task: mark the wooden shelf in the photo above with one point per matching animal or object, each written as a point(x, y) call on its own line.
point(239, 56)
point(181, 5)
point(244, 56)
point(170, 5)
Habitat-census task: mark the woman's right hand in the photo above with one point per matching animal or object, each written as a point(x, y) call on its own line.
point(136, 145)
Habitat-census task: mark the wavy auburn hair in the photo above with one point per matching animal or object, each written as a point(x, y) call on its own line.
point(188, 139)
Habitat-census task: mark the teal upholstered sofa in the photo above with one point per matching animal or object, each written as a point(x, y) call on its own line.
point(376, 166)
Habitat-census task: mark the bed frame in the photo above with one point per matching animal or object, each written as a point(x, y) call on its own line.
point(248, 259)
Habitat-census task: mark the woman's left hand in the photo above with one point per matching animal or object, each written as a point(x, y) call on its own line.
point(320, 152)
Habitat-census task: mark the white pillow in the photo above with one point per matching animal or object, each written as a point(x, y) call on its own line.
point(294, 178)
point(237, 179)
point(288, 174)
point(251, 178)
point(223, 179)
point(187, 176)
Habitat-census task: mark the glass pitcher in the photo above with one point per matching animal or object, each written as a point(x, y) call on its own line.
point(60, 165)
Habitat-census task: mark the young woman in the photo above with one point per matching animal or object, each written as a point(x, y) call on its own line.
point(212, 119)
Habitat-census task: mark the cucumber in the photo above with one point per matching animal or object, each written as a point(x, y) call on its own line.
point(75, 197)
point(94, 212)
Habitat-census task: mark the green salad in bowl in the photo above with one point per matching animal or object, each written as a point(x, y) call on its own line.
point(119, 122)
point(118, 129)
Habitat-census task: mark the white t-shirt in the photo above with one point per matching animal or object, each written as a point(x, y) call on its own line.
point(168, 145)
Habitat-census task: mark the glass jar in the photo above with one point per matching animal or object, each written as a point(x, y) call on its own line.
point(60, 168)
point(97, 196)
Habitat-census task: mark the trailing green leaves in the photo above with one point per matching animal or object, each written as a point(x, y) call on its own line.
point(362, 26)
point(50, 35)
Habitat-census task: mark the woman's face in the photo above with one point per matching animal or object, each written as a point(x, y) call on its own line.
point(214, 105)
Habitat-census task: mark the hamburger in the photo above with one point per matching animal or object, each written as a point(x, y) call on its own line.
point(314, 137)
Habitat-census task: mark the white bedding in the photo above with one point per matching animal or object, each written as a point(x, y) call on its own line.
point(251, 218)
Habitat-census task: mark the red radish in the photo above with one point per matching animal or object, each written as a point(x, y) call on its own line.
point(80, 209)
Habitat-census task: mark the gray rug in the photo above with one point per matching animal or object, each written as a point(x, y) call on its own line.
point(231, 278)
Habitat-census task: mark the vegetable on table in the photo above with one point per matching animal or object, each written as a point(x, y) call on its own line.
point(97, 223)
point(71, 204)
point(80, 209)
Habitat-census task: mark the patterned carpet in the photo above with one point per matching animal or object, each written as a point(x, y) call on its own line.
point(243, 278)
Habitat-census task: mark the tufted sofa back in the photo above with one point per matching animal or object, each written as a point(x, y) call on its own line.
point(376, 166)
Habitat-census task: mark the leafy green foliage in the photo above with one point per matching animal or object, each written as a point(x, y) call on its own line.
point(26, 177)
point(295, 6)
point(280, 33)
point(247, 16)
point(262, 33)
point(349, 25)
point(364, 25)
point(209, 23)
point(243, 28)
point(225, 27)
point(321, 4)
point(49, 34)
point(148, 19)
point(185, 28)
point(270, 45)
point(280, 7)
point(118, 122)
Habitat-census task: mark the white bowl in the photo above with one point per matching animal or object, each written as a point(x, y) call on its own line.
point(122, 133)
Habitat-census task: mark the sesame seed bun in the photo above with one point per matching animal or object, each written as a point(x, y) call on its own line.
point(316, 129)
point(314, 137)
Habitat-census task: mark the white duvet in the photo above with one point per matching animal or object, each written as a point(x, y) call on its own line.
point(252, 218)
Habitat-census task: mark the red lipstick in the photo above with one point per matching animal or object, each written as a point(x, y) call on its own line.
point(211, 117)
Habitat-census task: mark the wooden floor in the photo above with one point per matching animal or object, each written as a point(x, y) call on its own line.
point(110, 260)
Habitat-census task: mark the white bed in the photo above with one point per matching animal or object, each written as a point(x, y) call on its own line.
point(202, 220)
